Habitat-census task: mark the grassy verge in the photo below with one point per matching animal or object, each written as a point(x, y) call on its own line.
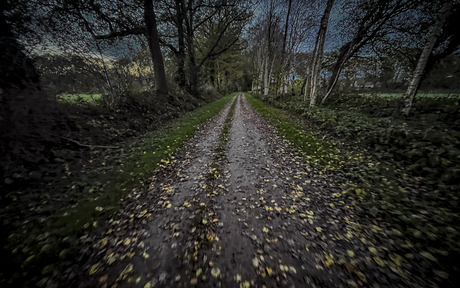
point(94, 196)
point(316, 151)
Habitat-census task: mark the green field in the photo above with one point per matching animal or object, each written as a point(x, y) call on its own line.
point(79, 98)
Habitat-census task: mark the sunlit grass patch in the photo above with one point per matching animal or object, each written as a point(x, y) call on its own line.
point(79, 98)
point(316, 151)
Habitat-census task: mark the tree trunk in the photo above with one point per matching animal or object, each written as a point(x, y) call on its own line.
point(332, 82)
point(304, 87)
point(283, 55)
point(261, 71)
point(193, 69)
point(419, 71)
point(180, 77)
point(154, 46)
point(17, 70)
point(266, 87)
point(318, 56)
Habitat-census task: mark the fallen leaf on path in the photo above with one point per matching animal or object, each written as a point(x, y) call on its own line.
point(379, 261)
point(94, 268)
point(429, 256)
point(329, 260)
point(215, 272)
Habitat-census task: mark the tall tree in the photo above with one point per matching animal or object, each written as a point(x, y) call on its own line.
point(318, 53)
point(420, 69)
point(16, 70)
point(154, 47)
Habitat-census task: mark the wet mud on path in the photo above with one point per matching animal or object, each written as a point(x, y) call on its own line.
point(251, 215)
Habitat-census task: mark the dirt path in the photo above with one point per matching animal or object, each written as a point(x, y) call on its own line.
point(258, 217)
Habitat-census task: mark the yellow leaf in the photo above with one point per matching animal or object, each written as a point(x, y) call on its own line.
point(379, 261)
point(332, 205)
point(428, 256)
point(319, 229)
point(351, 253)
point(329, 260)
point(147, 285)
point(361, 276)
point(94, 268)
point(358, 191)
point(204, 187)
point(215, 272)
point(245, 284)
point(169, 206)
point(104, 241)
point(127, 241)
point(215, 220)
point(265, 229)
point(142, 213)
point(204, 221)
point(373, 251)
point(396, 258)
point(255, 262)
point(269, 271)
point(198, 272)
point(284, 268)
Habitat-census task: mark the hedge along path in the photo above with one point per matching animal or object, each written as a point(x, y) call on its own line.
point(256, 217)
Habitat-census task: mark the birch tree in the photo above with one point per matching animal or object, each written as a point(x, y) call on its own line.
point(419, 70)
point(318, 53)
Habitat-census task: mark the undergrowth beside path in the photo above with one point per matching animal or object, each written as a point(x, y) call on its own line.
point(422, 211)
point(52, 227)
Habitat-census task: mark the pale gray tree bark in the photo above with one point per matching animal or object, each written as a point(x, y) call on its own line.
point(266, 77)
point(420, 69)
point(318, 53)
